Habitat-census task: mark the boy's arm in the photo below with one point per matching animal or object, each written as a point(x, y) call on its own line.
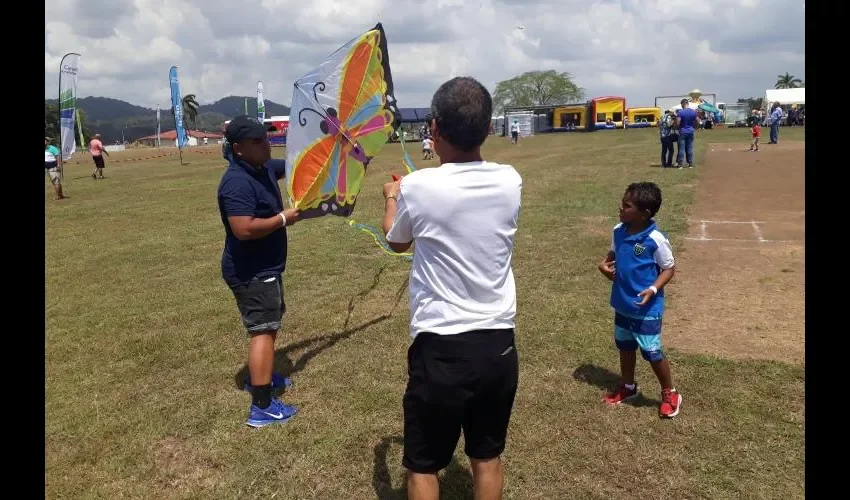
point(606, 267)
point(664, 259)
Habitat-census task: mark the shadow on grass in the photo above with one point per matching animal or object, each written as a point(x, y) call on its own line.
point(607, 381)
point(455, 481)
point(284, 364)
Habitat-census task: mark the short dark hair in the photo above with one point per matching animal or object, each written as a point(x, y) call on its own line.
point(646, 195)
point(683, 101)
point(463, 110)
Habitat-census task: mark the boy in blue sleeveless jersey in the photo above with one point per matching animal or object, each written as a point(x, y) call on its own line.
point(640, 263)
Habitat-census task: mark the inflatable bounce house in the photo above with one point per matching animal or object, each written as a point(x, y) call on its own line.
point(281, 126)
point(570, 117)
point(643, 117)
point(607, 113)
point(696, 100)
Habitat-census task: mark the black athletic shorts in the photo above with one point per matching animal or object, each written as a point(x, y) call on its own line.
point(466, 381)
point(98, 161)
point(261, 304)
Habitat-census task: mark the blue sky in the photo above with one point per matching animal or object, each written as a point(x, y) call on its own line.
point(634, 48)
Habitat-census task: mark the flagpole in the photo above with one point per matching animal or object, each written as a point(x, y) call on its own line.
point(59, 106)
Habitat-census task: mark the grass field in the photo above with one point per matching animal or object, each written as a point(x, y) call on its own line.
point(144, 348)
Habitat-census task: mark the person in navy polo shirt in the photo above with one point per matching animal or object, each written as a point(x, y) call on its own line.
point(254, 256)
point(687, 121)
point(639, 264)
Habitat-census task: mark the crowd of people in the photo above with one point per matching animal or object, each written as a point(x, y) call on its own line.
point(676, 130)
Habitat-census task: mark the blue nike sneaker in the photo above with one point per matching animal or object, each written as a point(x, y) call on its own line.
point(278, 381)
point(276, 413)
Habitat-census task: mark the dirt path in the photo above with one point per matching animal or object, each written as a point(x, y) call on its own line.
point(739, 286)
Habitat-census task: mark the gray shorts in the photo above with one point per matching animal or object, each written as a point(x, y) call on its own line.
point(261, 304)
point(54, 175)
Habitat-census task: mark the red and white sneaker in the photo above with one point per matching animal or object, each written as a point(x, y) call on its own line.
point(671, 403)
point(620, 395)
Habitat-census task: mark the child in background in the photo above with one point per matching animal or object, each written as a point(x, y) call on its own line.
point(640, 263)
point(427, 148)
point(755, 129)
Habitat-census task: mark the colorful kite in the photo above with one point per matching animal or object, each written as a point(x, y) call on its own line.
point(343, 112)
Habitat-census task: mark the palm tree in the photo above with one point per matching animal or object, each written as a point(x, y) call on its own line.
point(190, 108)
point(787, 81)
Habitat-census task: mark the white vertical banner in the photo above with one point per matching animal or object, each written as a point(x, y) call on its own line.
point(68, 68)
point(261, 105)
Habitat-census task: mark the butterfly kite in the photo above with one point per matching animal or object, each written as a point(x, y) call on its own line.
point(343, 113)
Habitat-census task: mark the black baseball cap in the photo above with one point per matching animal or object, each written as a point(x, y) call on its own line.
point(246, 127)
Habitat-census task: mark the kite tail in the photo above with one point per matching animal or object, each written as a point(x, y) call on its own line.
point(408, 163)
point(379, 240)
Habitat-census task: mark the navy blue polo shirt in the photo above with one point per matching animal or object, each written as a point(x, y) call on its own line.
point(245, 190)
point(639, 260)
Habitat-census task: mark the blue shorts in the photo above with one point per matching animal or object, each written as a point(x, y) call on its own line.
point(632, 332)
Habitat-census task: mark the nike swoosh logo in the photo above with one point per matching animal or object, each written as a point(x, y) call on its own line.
point(273, 415)
point(509, 349)
point(268, 280)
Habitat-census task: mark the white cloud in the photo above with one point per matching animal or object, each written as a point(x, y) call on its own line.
point(635, 48)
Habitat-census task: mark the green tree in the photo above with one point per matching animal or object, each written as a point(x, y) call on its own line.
point(51, 121)
point(787, 81)
point(191, 109)
point(51, 124)
point(752, 102)
point(537, 88)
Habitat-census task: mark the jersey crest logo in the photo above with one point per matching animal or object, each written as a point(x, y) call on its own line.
point(639, 249)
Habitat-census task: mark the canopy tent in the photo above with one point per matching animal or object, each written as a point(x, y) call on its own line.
point(413, 115)
point(784, 96)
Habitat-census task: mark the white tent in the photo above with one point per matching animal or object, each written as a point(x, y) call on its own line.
point(784, 96)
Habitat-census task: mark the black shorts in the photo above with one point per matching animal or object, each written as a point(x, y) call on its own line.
point(515, 134)
point(261, 304)
point(98, 161)
point(466, 381)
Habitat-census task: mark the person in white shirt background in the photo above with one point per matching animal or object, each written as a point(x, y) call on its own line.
point(427, 148)
point(462, 365)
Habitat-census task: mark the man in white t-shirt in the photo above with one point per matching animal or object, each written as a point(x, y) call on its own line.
point(426, 148)
point(515, 132)
point(463, 364)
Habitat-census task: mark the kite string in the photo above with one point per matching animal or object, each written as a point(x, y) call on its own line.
point(379, 240)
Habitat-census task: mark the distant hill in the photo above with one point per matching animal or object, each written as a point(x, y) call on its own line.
point(234, 105)
point(112, 117)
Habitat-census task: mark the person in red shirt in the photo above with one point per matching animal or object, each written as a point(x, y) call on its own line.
point(97, 151)
point(755, 128)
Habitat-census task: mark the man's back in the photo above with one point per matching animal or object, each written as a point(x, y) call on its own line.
point(95, 147)
point(463, 219)
point(687, 120)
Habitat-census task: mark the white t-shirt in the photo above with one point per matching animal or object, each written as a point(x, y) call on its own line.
point(463, 218)
point(515, 127)
point(426, 144)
